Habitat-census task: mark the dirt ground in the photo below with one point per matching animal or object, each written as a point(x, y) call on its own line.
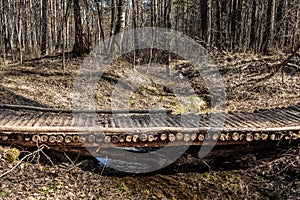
point(274, 174)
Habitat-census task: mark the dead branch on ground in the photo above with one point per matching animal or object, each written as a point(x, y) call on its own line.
point(25, 157)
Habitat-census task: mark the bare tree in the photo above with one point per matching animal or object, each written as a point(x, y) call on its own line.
point(79, 47)
point(269, 27)
point(44, 23)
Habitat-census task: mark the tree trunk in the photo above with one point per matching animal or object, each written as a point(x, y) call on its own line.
point(19, 32)
point(218, 24)
point(4, 29)
point(268, 30)
point(253, 26)
point(120, 22)
point(44, 24)
point(101, 31)
point(279, 23)
point(204, 19)
point(209, 22)
point(241, 21)
point(79, 48)
point(64, 22)
point(112, 24)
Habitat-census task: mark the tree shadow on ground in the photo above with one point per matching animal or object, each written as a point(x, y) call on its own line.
point(11, 97)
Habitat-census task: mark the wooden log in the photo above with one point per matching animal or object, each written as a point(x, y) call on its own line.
point(52, 139)
point(135, 138)
point(194, 136)
point(216, 153)
point(179, 136)
point(20, 137)
point(91, 138)
point(163, 137)
point(83, 138)
point(294, 136)
point(59, 110)
point(27, 138)
point(44, 138)
point(69, 129)
point(68, 139)
point(107, 139)
point(143, 137)
point(249, 137)
point(99, 137)
point(201, 137)
point(35, 138)
point(5, 137)
point(128, 138)
point(235, 136)
point(76, 139)
point(223, 137)
point(151, 138)
point(59, 139)
point(114, 139)
point(242, 136)
point(138, 144)
point(257, 136)
point(122, 138)
point(215, 136)
point(228, 136)
point(264, 136)
point(172, 137)
point(273, 137)
point(187, 137)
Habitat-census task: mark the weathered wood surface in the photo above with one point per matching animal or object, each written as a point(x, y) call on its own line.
point(65, 129)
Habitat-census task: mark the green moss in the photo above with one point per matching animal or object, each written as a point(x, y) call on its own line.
point(146, 191)
point(5, 192)
point(12, 155)
point(123, 187)
point(98, 97)
point(48, 189)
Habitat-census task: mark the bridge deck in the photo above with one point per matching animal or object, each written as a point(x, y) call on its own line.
point(29, 125)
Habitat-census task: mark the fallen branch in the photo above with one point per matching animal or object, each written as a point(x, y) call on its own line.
point(293, 66)
point(25, 157)
point(278, 67)
point(58, 110)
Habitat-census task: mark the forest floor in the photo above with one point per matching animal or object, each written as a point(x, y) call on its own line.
point(272, 174)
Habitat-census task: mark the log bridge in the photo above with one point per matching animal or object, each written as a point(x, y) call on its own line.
point(75, 131)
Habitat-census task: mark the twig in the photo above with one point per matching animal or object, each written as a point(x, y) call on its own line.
point(209, 168)
point(103, 166)
point(285, 168)
point(69, 169)
point(285, 62)
point(293, 65)
point(47, 157)
point(25, 157)
point(68, 158)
